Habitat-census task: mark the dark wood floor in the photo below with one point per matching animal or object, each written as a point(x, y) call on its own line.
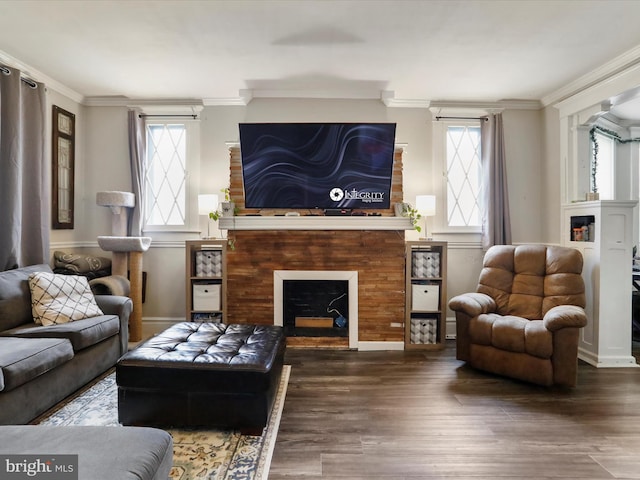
point(412, 415)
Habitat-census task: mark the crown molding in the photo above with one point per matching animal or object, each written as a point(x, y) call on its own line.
point(225, 102)
point(457, 108)
point(242, 100)
point(146, 104)
point(388, 98)
point(601, 74)
point(38, 76)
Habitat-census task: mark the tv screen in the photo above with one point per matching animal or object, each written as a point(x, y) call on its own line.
point(317, 165)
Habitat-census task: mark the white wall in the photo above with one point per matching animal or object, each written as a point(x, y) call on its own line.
point(525, 173)
point(550, 187)
point(105, 166)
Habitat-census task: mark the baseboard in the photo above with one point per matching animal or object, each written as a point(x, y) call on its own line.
point(375, 346)
point(450, 332)
point(153, 325)
point(601, 361)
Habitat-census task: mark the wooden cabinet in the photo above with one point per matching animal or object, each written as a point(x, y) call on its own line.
point(206, 280)
point(426, 295)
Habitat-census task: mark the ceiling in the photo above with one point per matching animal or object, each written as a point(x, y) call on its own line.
point(408, 50)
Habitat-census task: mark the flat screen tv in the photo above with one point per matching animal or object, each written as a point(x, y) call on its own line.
point(317, 165)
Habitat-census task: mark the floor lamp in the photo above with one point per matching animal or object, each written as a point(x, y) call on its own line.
point(426, 206)
point(207, 203)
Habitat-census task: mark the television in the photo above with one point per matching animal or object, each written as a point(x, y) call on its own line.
point(317, 165)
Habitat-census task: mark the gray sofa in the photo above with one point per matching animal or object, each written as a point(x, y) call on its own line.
point(104, 453)
point(41, 365)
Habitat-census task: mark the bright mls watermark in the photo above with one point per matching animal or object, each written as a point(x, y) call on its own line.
point(50, 467)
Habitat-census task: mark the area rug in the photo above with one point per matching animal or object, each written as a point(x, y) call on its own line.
point(197, 454)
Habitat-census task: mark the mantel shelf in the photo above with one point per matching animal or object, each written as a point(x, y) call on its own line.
point(250, 222)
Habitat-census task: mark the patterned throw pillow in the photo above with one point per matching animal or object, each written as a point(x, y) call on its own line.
point(59, 299)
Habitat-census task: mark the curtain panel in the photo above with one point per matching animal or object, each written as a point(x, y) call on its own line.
point(25, 186)
point(137, 159)
point(496, 219)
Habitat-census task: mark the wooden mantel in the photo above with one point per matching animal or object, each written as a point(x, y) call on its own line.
point(314, 223)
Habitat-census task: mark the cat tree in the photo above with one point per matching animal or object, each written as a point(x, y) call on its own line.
point(126, 252)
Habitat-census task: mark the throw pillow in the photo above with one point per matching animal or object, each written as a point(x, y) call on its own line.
point(59, 299)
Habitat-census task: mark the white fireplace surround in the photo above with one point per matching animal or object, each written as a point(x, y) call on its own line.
point(279, 276)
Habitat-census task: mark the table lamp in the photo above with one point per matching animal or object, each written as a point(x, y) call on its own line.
point(207, 203)
point(426, 206)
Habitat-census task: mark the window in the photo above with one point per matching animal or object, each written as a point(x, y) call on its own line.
point(464, 176)
point(457, 163)
point(603, 165)
point(171, 156)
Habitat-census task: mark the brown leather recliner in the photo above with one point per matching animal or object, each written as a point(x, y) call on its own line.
point(524, 320)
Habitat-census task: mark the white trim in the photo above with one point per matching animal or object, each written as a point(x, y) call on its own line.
point(388, 98)
point(377, 346)
point(627, 61)
point(606, 361)
point(38, 76)
point(192, 172)
point(303, 222)
point(73, 244)
point(94, 244)
point(594, 94)
point(351, 276)
point(439, 165)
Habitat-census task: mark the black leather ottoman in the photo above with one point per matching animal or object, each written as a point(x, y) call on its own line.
point(202, 375)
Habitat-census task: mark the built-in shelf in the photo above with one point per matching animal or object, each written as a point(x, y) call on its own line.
point(302, 222)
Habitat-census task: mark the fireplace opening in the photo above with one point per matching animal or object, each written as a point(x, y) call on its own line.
point(316, 308)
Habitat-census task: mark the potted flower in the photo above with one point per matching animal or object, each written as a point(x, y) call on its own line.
point(228, 206)
point(406, 210)
point(227, 209)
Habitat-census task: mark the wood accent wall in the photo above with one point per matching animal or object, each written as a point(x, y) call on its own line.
point(378, 256)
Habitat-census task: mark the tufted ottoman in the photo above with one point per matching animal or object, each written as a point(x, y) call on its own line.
point(202, 374)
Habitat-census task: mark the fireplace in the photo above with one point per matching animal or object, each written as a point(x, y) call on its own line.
point(315, 308)
point(317, 303)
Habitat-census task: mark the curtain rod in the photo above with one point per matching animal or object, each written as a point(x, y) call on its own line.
point(28, 81)
point(461, 118)
point(192, 115)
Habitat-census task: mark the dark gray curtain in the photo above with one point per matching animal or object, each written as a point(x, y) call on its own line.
point(137, 157)
point(496, 220)
point(25, 187)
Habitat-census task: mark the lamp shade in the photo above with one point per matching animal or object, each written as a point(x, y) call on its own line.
point(207, 203)
point(426, 205)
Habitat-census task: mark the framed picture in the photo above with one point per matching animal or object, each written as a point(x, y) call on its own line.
point(63, 163)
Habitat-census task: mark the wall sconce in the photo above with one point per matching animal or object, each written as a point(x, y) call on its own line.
point(207, 203)
point(426, 206)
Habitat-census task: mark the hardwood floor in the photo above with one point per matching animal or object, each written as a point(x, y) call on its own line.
point(414, 415)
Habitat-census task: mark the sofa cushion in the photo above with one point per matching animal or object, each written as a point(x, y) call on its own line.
point(57, 299)
point(22, 360)
point(15, 298)
point(81, 333)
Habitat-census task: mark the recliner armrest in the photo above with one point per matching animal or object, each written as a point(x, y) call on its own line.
point(473, 304)
point(564, 316)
